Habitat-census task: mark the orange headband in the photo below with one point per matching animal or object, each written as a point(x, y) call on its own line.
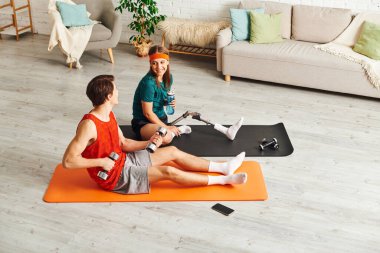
point(158, 56)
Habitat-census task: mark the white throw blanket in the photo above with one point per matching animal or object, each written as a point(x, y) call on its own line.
point(342, 46)
point(72, 41)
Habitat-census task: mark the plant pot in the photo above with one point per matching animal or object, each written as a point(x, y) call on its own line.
point(142, 49)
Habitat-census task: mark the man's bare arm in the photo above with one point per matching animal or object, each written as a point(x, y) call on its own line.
point(129, 145)
point(73, 156)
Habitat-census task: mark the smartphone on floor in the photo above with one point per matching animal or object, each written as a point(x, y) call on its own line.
point(222, 209)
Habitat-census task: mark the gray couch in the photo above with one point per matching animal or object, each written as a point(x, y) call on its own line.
point(295, 61)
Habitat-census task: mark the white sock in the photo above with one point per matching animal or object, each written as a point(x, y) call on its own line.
point(231, 131)
point(183, 130)
point(227, 168)
point(240, 178)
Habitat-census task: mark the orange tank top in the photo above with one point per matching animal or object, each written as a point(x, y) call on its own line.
point(107, 141)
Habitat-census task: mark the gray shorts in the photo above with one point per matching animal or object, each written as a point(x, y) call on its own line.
point(134, 176)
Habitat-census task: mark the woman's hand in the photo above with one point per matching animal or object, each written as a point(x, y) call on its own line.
point(156, 139)
point(174, 129)
point(172, 103)
point(107, 163)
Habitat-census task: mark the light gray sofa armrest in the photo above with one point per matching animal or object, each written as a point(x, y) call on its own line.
point(223, 38)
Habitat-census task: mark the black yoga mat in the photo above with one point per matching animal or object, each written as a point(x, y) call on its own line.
point(206, 141)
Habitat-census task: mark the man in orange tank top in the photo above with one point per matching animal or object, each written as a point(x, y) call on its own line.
point(98, 135)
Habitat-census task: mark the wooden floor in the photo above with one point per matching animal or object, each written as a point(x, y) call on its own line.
point(325, 197)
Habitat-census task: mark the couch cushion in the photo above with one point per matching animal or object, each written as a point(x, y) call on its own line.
point(351, 34)
point(273, 8)
point(290, 51)
point(369, 41)
point(72, 14)
point(265, 28)
point(240, 21)
point(100, 33)
point(319, 24)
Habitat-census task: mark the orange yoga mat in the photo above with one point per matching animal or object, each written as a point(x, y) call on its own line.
point(76, 186)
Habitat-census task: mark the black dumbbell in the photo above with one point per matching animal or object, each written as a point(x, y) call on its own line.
point(152, 147)
point(103, 174)
point(273, 144)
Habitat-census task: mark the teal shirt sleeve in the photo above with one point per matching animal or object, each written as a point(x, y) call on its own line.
point(147, 91)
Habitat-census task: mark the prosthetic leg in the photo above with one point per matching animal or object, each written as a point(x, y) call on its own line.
point(230, 132)
point(194, 115)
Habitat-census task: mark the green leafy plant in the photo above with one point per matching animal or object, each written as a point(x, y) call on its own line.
point(145, 18)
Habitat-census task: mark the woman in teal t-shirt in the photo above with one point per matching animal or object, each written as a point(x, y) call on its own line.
point(150, 98)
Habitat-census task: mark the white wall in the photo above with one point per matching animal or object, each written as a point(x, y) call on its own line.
point(194, 9)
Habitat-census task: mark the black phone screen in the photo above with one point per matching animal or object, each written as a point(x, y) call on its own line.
point(222, 209)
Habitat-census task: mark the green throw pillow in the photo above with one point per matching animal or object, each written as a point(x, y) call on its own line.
point(368, 43)
point(241, 24)
point(265, 28)
point(73, 14)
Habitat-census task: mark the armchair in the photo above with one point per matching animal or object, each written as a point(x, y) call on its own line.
point(105, 35)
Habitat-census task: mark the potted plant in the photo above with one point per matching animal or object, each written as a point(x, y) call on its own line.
point(145, 18)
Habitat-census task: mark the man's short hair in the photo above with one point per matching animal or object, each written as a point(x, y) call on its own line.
point(99, 88)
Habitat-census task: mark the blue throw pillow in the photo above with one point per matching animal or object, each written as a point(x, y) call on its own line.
point(73, 14)
point(241, 23)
